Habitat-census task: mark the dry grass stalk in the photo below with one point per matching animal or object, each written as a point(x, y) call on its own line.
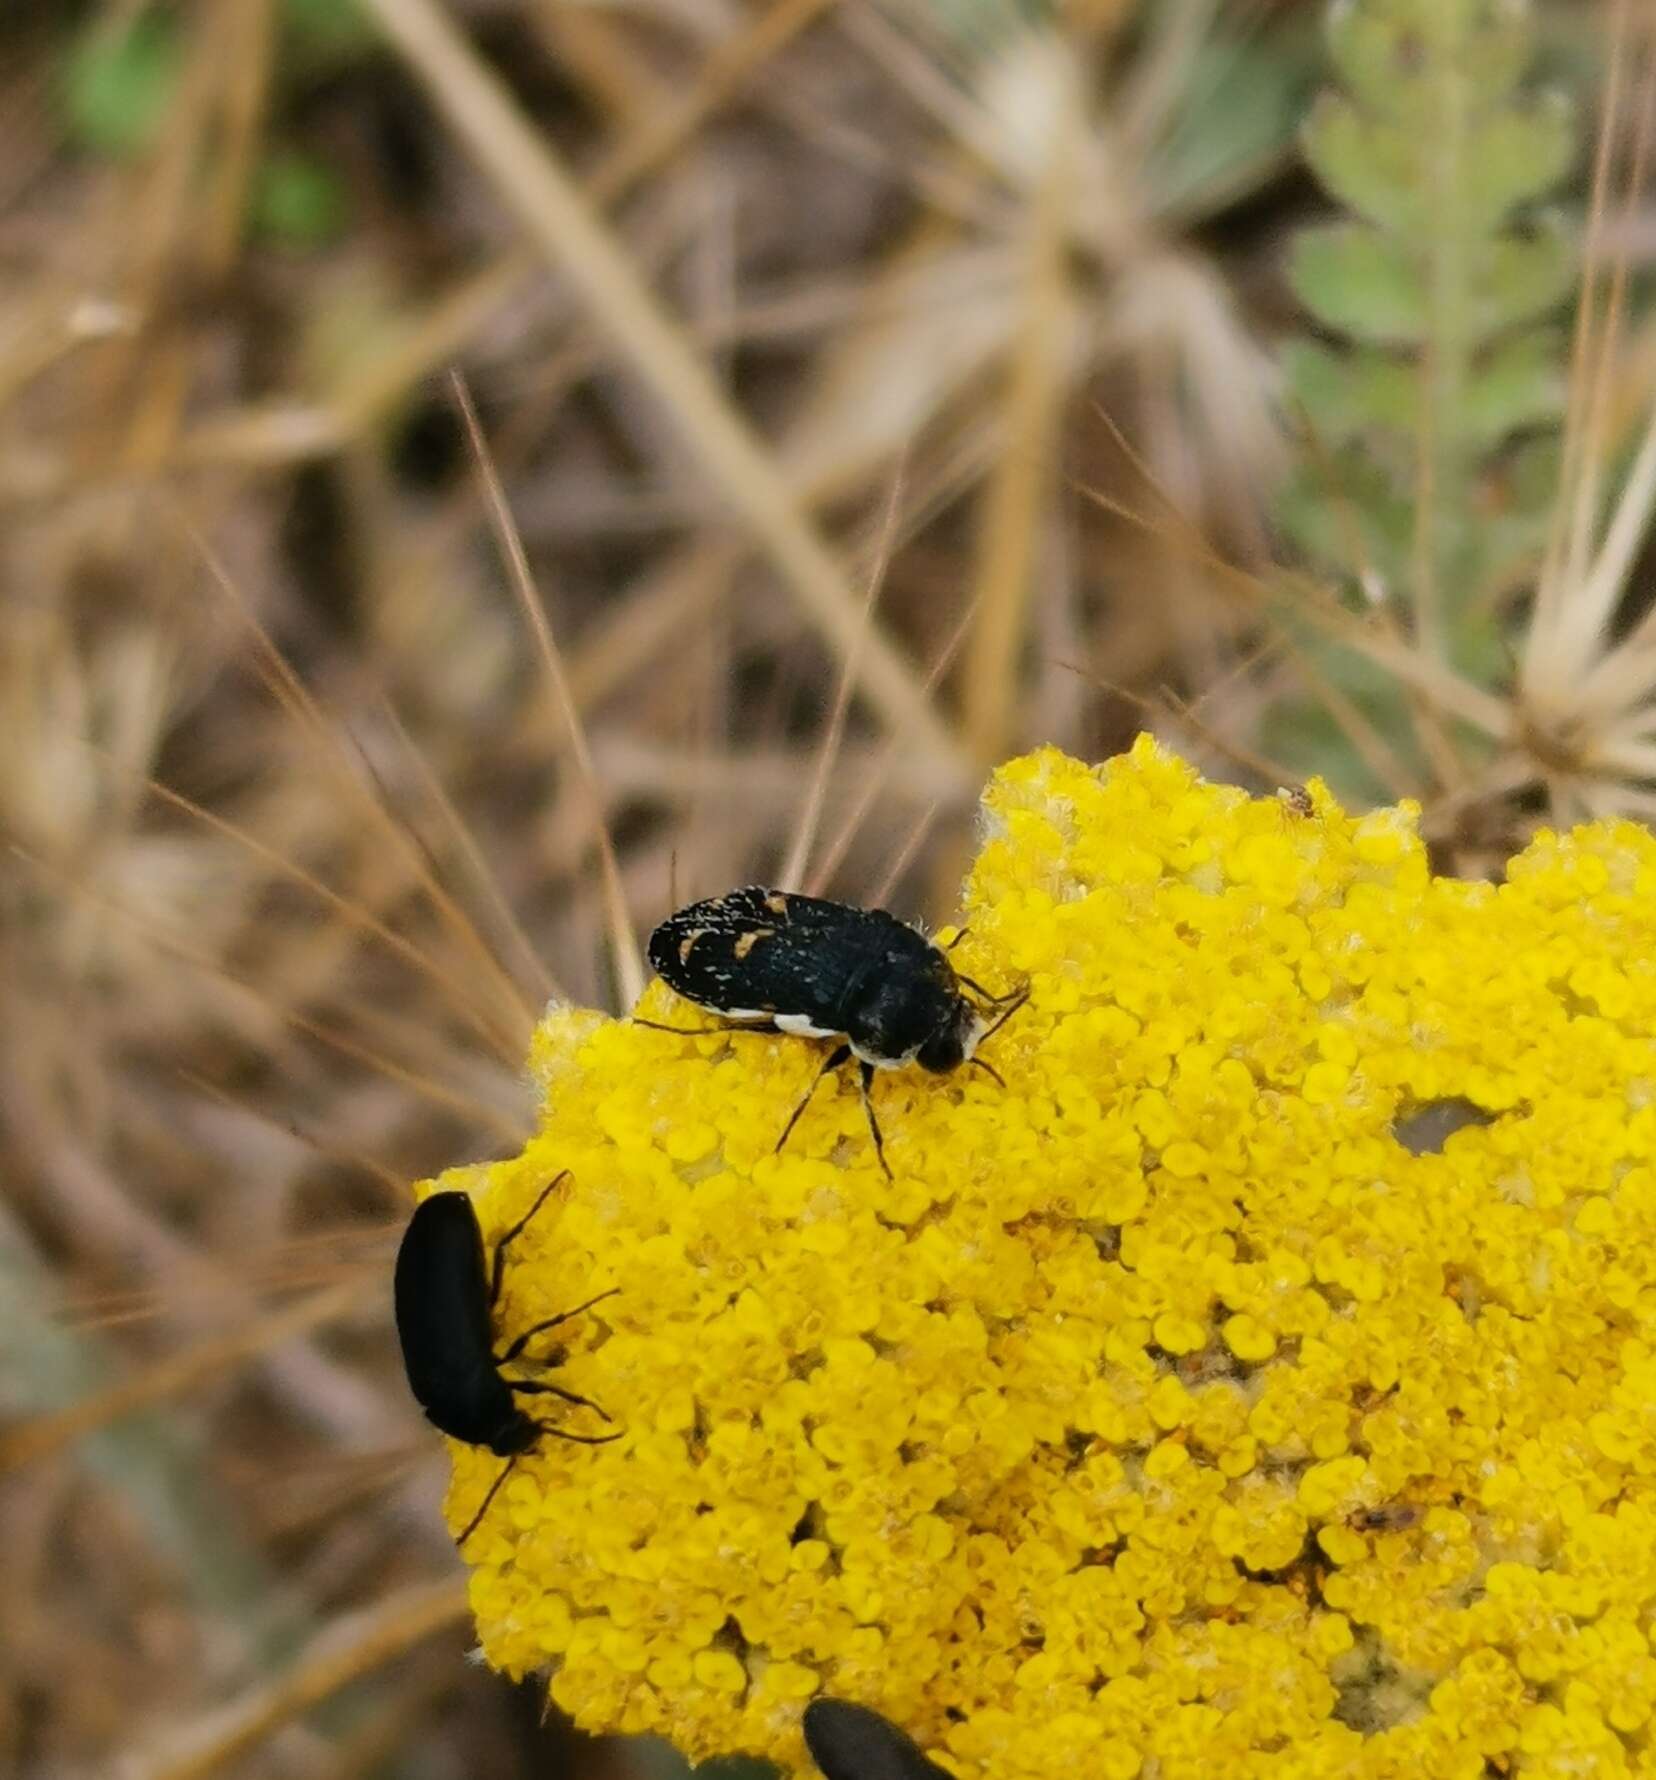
point(629, 966)
point(354, 1646)
point(551, 207)
point(31, 1441)
point(1017, 502)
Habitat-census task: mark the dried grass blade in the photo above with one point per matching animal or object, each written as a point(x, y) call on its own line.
point(629, 964)
point(792, 873)
point(903, 858)
point(291, 694)
point(752, 46)
point(376, 378)
point(387, 1177)
point(1594, 409)
point(1623, 674)
point(428, 1087)
point(249, 29)
point(875, 782)
point(1450, 693)
point(1590, 590)
point(1020, 487)
point(30, 1441)
point(358, 918)
point(550, 205)
point(1570, 517)
point(355, 1645)
point(472, 852)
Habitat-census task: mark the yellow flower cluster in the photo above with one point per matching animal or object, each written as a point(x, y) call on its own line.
point(1167, 1414)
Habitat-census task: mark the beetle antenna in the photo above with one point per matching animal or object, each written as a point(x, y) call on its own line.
point(483, 1508)
point(1017, 999)
point(988, 1069)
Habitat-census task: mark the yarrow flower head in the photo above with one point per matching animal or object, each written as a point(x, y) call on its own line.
point(1176, 1409)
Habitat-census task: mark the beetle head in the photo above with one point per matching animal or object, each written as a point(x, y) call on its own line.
point(952, 1041)
point(514, 1434)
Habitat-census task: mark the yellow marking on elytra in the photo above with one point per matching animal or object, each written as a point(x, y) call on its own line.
point(748, 941)
point(688, 944)
point(777, 903)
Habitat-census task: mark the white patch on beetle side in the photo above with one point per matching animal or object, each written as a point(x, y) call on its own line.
point(801, 1026)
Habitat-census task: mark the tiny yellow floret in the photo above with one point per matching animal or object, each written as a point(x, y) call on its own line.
point(1178, 1408)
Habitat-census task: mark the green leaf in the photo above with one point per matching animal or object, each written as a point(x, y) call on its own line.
point(1521, 277)
point(1519, 383)
point(1383, 167)
point(1372, 285)
point(116, 85)
point(1512, 157)
point(1432, 288)
point(1382, 50)
point(1347, 394)
point(1430, 457)
point(1345, 507)
point(1359, 281)
point(298, 201)
point(1239, 108)
point(1372, 166)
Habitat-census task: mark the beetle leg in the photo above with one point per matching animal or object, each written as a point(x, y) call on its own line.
point(768, 1028)
point(537, 1387)
point(840, 1055)
point(483, 1506)
point(563, 1316)
point(506, 1470)
point(499, 1272)
point(579, 1439)
point(867, 1082)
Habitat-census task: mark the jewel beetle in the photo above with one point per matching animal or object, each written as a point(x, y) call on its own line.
point(774, 961)
point(445, 1294)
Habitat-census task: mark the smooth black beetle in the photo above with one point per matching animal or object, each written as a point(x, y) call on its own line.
point(852, 1743)
point(771, 961)
point(445, 1298)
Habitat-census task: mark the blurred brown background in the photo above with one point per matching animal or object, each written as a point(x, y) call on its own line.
point(759, 306)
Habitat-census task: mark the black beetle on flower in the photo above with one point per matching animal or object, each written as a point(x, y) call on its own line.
point(774, 961)
point(445, 1294)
